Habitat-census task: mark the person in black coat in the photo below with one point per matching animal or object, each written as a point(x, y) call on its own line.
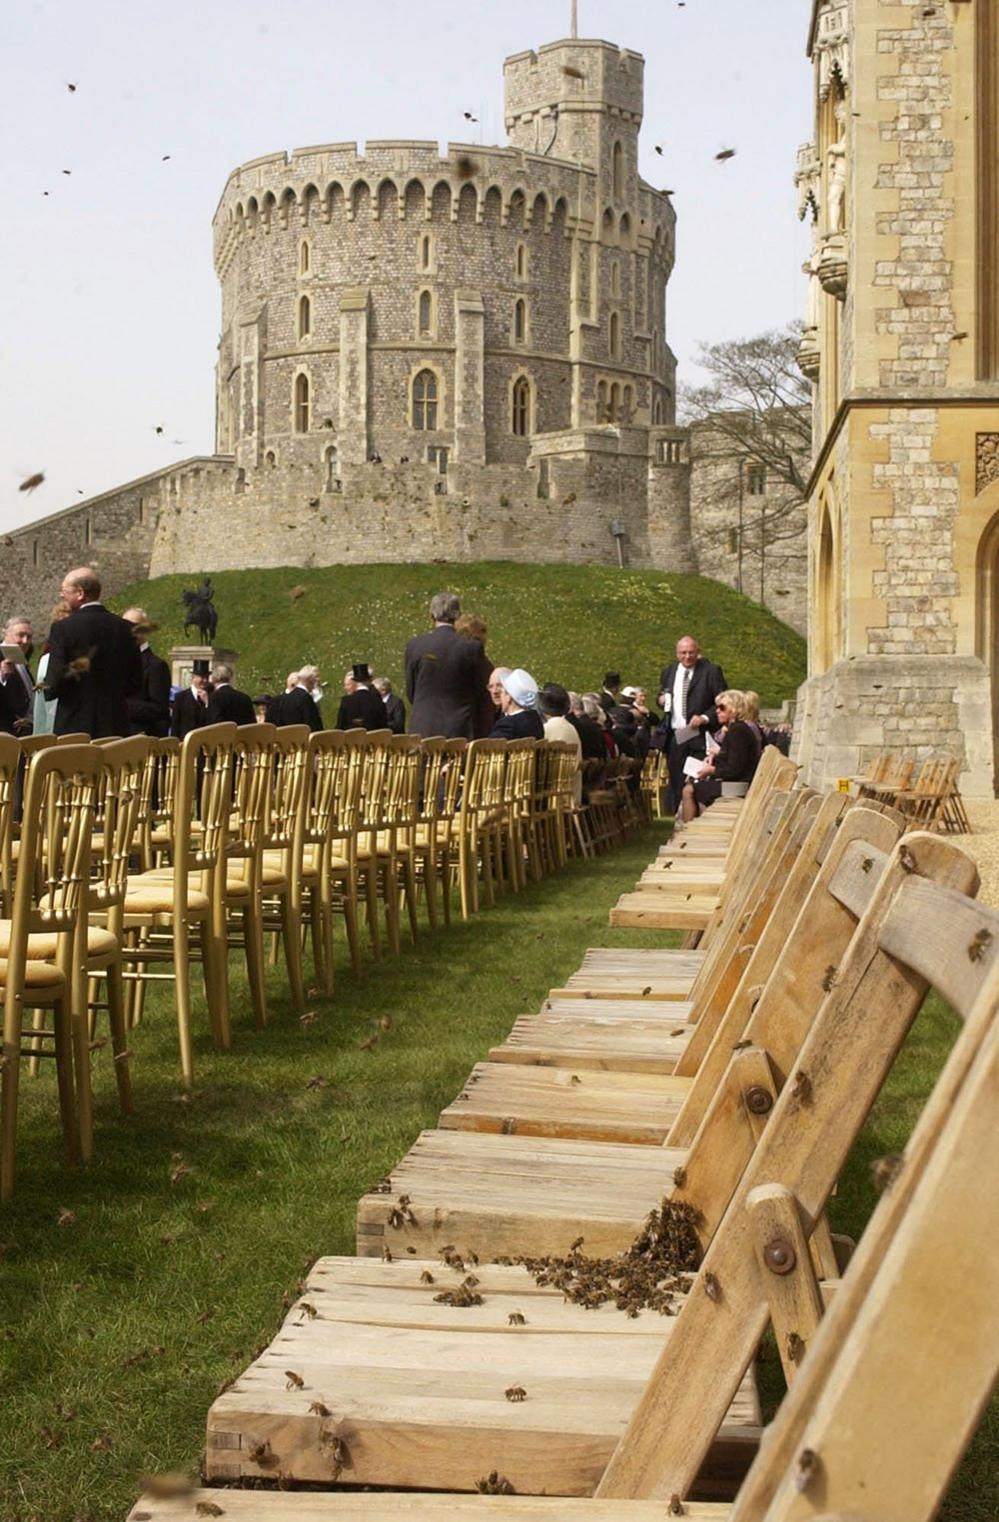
point(8, 718)
point(362, 708)
point(395, 708)
point(294, 706)
point(94, 664)
point(446, 674)
point(520, 719)
point(227, 705)
point(16, 677)
point(735, 760)
point(149, 708)
point(689, 686)
point(190, 708)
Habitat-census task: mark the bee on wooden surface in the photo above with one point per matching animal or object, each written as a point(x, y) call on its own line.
point(383, 1186)
point(979, 941)
point(318, 1409)
point(517, 1318)
point(293, 1381)
point(308, 1309)
point(494, 1484)
point(805, 1469)
point(261, 1454)
point(795, 1347)
point(427, 1277)
point(515, 1393)
point(577, 1244)
point(396, 1218)
point(506, 1262)
point(208, 1509)
point(387, 1254)
point(472, 1257)
point(801, 1088)
point(712, 1288)
point(675, 1507)
point(679, 1177)
point(678, 1031)
point(461, 1297)
point(575, 1078)
point(469, 1282)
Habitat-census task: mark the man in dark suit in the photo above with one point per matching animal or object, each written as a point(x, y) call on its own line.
point(395, 708)
point(689, 686)
point(15, 676)
point(362, 708)
point(610, 696)
point(190, 708)
point(446, 675)
point(227, 705)
point(94, 664)
point(294, 706)
point(149, 708)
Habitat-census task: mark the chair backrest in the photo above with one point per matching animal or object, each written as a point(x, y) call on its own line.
point(10, 756)
point(482, 791)
point(254, 759)
point(871, 1001)
point(204, 786)
point(290, 791)
point(403, 771)
point(123, 768)
point(334, 794)
point(80, 738)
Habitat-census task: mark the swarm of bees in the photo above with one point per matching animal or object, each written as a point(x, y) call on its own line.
point(650, 1275)
point(494, 1484)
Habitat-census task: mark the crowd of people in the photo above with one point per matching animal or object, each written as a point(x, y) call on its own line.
point(98, 675)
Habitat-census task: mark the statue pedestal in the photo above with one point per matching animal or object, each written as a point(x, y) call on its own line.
point(833, 266)
point(183, 657)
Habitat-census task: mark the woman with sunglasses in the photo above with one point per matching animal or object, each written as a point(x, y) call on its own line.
point(735, 760)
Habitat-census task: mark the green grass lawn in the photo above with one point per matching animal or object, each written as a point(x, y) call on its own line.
point(117, 1327)
point(563, 623)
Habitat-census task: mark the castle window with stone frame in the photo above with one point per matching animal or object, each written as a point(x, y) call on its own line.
point(756, 479)
point(304, 257)
point(628, 404)
point(657, 410)
point(425, 314)
point(520, 321)
point(304, 317)
point(614, 403)
point(521, 261)
point(614, 333)
point(520, 407)
point(617, 176)
point(302, 403)
point(602, 413)
point(425, 400)
point(426, 251)
point(331, 460)
point(615, 278)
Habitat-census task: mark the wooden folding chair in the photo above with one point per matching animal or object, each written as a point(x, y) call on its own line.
point(60, 796)
point(365, 1336)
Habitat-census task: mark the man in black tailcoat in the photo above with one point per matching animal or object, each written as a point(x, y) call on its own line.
point(227, 705)
point(190, 708)
point(295, 705)
point(149, 708)
point(363, 708)
point(446, 675)
point(689, 686)
point(94, 665)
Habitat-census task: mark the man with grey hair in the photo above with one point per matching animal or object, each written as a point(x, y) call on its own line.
point(446, 675)
point(395, 708)
point(18, 695)
point(227, 705)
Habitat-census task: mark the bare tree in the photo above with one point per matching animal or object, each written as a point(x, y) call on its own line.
point(752, 421)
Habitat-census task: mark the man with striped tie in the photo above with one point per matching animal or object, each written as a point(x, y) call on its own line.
point(688, 688)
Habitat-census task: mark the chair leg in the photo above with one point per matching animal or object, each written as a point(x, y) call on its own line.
point(446, 875)
point(430, 885)
point(390, 869)
point(292, 953)
point(371, 887)
point(182, 994)
point(9, 1082)
point(409, 888)
point(38, 1024)
point(80, 1035)
point(215, 959)
point(352, 928)
point(119, 1036)
point(62, 1023)
point(253, 935)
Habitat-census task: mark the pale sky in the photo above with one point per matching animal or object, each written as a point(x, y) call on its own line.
point(110, 307)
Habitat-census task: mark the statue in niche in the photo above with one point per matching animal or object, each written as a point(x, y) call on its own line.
point(836, 195)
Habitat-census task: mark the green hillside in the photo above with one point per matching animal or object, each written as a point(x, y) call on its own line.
point(563, 623)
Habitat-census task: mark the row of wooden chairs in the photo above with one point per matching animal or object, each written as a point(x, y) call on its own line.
point(132, 861)
point(929, 799)
point(722, 1086)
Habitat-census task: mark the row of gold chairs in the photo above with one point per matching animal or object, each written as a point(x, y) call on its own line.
point(131, 861)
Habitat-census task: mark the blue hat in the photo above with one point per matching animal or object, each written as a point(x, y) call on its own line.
point(522, 687)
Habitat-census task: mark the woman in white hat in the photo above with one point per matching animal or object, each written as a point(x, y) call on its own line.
point(519, 717)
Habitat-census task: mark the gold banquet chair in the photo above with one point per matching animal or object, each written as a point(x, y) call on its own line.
point(57, 824)
point(439, 788)
point(329, 853)
point(180, 910)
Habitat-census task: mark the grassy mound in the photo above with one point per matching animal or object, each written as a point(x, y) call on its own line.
point(563, 623)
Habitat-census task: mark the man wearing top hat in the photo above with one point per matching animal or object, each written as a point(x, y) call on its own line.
point(149, 708)
point(362, 708)
point(190, 709)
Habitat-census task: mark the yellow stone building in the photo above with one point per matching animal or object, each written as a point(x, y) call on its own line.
point(901, 185)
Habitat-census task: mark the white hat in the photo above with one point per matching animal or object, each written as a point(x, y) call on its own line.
point(522, 687)
point(629, 692)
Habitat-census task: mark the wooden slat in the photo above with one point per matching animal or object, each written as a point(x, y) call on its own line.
point(538, 1101)
point(405, 1506)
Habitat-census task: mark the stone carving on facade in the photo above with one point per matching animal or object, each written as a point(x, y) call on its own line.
point(807, 182)
point(831, 47)
point(986, 460)
point(833, 258)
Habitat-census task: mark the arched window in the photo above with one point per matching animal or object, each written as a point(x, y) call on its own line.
point(601, 401)
point(425, 315)
point(615, 336)
point(304, 257)
point(615, 402)
point(425, 400)
point(304, 316)
point(521, 261)
point(520, 321)
point(618, 172)
point(520, 407)
point(628, 404)
point(657, 411)
point(332, 468)
point(302, 406)
point(615, 278)
point(426, 251)
point(270, 459)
